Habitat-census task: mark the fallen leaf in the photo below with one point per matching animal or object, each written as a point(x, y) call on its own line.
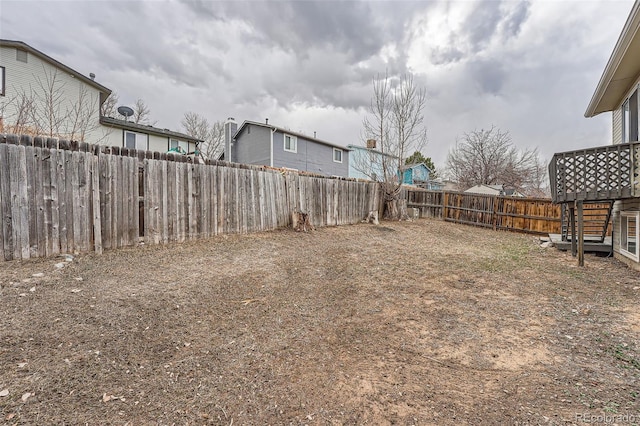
point(22, 365)
point(10, 416)
point(26, 396)
point(32, 289)
point(107, 398)
point(76, 290)
point(4, 392)
point(22, 294)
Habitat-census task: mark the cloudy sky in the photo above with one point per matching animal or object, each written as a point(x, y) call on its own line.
point(526, 67)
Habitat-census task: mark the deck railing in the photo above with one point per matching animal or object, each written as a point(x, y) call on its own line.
point(604, 173)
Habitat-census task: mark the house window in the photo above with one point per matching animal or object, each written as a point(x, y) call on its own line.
point(21, 55)
point(625, 121)
point(290, 143)
point(1, 81)
point(337, 155)
point(630, 118)
point(629, 228)
point(134, 140)
point(179, 146)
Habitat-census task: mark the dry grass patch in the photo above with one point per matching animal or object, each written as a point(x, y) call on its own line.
point(411, 323)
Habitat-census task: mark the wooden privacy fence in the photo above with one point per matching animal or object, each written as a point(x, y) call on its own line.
point(530, 215)
point(62, 197)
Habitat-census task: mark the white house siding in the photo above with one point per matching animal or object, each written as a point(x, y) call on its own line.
point(158, 143)
point(617, 126)
point(114, 136)
point(617, 113)
point(632, 204)
point(28, 78)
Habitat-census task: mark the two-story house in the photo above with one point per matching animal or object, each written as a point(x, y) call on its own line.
point(610, 173)
point(269, 145)
point(41, 96)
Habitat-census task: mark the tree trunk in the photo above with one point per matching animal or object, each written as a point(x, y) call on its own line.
point(395, 208)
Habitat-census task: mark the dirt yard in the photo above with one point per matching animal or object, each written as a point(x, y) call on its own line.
point(412, 323)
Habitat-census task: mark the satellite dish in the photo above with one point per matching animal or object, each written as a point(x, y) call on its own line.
point(125, 111)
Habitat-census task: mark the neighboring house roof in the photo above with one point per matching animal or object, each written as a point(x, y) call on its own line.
point(494, 189)
point(364, 148)
point(622, 69)
point(128, 125)
point(486, 189)
point(289, 132)
point(47, 58)
point(414, 165)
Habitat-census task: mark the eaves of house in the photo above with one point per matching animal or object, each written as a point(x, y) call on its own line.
point(289, 132)
point(621, 71)
point(143, 128)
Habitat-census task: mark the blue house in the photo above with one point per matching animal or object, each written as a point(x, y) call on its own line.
point(416, 174)
point(269, 145)
point(367, 162)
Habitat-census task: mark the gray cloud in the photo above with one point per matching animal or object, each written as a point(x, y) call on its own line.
point(526, 67)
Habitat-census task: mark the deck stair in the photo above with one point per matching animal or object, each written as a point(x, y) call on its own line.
point(597, 227)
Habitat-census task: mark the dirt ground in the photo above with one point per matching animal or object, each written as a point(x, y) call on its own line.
point(403, 323)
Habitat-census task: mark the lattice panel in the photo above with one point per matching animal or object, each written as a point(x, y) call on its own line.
point(596, 173)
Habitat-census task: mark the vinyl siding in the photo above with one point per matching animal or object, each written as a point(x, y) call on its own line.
point(617, 126)
point(28, 78)
point(310, 156)
point(363, 162)
point(253, 146)
point(114, 136)
point(617, 114)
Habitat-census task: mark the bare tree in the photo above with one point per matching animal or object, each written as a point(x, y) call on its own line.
point(211, 133)
point(18, 114)
point(109, 107)
point(141, 113)
point(396, 122)
point(46, 110)
point(489, 157)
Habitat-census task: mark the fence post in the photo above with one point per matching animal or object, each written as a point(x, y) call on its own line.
point(445, 203)
point(494, 218)
point(579, 206)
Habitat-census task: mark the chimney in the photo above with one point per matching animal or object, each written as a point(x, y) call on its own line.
point(92, 76)
point(314, 134)
point(230, 129)
point(266, 121)
point(371, 144)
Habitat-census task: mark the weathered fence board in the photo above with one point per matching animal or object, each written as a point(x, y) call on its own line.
point(530, 215)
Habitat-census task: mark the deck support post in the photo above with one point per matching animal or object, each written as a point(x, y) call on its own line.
point(572, 221)
point(579, 206)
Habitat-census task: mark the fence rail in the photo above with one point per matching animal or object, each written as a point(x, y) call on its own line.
point(61, 197)
point(537, 216)
point(64, 197)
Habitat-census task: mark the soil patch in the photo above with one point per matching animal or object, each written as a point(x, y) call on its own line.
point(407, 323)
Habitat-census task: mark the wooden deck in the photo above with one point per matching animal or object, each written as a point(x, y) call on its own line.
point(592, 243)
point(596, 174)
